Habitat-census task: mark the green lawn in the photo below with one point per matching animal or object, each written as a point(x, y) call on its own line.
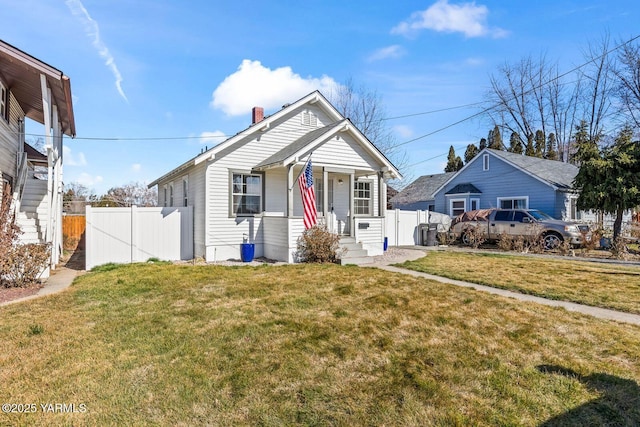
point(603, 285)
point(308, 345)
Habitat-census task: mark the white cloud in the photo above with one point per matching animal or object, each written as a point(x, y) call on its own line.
point(89, 180)
point(136, 167)
point(403, 131)
point(212, 138)
point(71, 159)
point(394, 51)
point(93, 31)
point(467, 18)
point(256, 85)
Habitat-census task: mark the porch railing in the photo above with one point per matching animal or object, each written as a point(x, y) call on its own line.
point(22, 168)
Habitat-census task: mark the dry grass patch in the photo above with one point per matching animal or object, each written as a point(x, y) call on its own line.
point(611, 286)
point(308, 345)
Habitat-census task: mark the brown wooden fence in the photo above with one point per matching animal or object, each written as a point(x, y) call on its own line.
point(73, 227)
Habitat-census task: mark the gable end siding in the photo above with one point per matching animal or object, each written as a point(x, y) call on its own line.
point(501, 180)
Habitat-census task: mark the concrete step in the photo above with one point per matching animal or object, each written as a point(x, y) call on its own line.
point(354, 253)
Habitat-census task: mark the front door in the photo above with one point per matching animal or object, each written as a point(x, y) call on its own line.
point(339, 193)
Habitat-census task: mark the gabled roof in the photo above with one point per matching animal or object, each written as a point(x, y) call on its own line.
point(34, 155)
point(421, 189)
point(293, 150)
point(556, 174)
point(21, 73)
point(466, 188)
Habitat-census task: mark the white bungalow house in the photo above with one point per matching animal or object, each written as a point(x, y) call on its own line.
point(29, 88)
point(245, 189)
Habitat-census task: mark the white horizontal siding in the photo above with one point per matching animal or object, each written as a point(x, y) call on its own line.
point(9, 140)
point(372, 237)
point(344, 152)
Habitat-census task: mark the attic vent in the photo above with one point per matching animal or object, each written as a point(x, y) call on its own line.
point(309, 119)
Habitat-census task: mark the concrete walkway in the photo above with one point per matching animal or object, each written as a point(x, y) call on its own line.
point(60, 279)
point(601, 313)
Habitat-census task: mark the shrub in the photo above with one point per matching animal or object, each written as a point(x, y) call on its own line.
point(505, 242)
point(20, 265)
point(473, 236)
point(26, 263)
point(318, 244)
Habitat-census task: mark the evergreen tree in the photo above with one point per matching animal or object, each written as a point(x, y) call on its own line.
point(540, 143)
point(530, 149)
point(495, 139)
point(515, 143)
point(551, 152)
point(454, 163)
point(470, 153)
point(580, 140)
point(483, 144)
point(609, 178)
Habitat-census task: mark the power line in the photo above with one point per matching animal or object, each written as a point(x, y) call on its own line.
point(541, 85)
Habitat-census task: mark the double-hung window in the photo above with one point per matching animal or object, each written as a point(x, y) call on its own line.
point(362, 198)
point(246, 194)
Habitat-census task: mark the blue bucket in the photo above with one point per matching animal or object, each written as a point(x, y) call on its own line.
point(247, 251)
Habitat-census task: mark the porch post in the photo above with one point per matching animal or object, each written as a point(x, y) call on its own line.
point(382, 190)
point(290, 191)
point(325, 195)
point(352, 222)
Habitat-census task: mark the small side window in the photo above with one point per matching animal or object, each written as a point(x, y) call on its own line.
point(485, 162)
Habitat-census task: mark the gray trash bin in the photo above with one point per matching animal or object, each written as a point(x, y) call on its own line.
point(432, 235)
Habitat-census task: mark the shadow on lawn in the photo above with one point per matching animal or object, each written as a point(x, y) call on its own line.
point(619, 404)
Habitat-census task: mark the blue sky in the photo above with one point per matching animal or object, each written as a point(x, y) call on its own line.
point(155, 81)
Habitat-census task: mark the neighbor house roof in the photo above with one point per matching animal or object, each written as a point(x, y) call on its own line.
point(421, 189)
point(21, 73)
point(466, 188)
point(556, 173)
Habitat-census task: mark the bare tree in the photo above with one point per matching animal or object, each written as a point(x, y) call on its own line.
point(134, 193)
point(364, 107)
point(627, 72)
point(597, 87)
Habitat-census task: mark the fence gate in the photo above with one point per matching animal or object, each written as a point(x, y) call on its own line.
point(124, 235)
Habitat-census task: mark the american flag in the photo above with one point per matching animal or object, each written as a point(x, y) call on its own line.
point(308, 197)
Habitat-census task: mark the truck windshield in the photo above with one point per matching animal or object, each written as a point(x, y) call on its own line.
point(539, 216)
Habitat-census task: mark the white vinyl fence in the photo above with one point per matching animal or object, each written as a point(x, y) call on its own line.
point(124, 235)
point(405, 228)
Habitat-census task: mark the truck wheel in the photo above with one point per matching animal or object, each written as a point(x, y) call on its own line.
point(465, 238)
point(552, 241)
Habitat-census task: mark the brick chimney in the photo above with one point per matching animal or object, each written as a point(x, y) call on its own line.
point(257, 115)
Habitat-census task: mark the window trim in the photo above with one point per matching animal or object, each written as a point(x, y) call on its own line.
point(512, 198)
point(475, 200)
point(171, 194)
point(464, 206)
point(260, 175)
point(164, 195)
point(185, 191)
point(485, 162)
point(4, 102)
point(368, 199)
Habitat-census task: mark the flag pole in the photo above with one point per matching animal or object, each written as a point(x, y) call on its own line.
point(301, 171)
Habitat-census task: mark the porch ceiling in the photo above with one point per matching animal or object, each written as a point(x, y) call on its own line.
point(21, 73)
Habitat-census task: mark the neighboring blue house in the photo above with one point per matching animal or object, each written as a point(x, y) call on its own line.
point(499, 179)
point(418, 196)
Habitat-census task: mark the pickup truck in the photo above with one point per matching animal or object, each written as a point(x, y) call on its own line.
point(518, 222)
